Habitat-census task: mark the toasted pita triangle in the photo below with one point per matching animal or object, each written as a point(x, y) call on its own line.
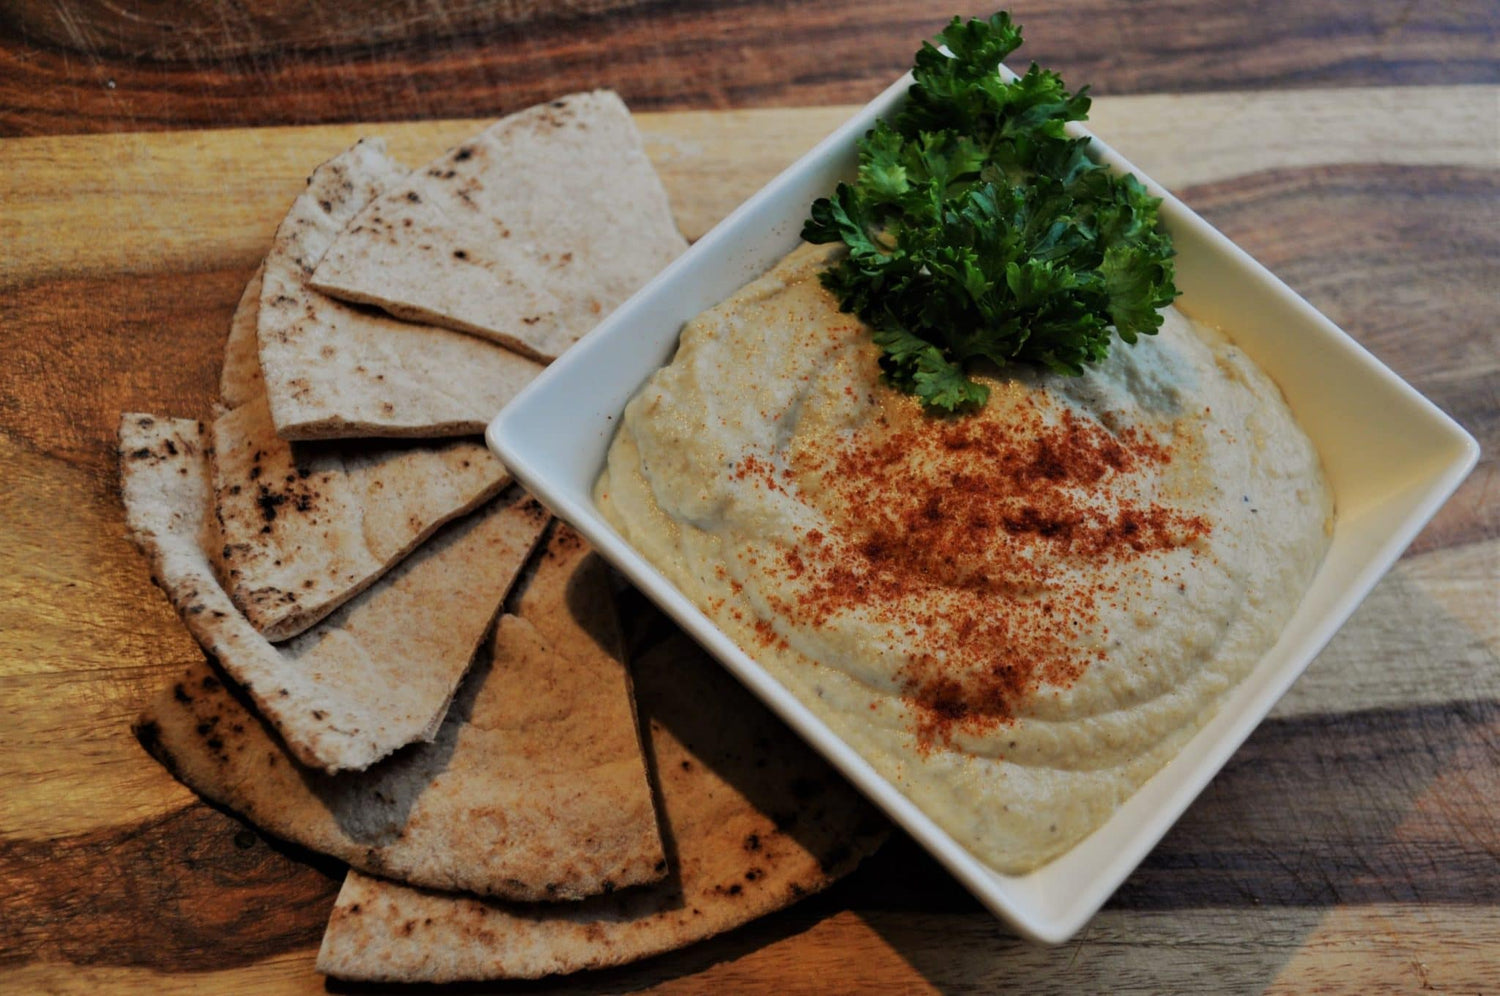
point(570, 600)
point(332, 370)
point(304, 527)
point(529, 233)
point(534, 787)
point(753, 820)
point(240, 380)
point(372, 677)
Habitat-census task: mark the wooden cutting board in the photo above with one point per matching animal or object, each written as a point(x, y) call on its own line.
point(1352, 842)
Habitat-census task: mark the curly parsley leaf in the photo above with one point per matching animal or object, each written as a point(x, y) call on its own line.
point(918, 367)
point(979, 231)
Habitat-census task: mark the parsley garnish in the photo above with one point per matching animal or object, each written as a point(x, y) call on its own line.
point(979, 231)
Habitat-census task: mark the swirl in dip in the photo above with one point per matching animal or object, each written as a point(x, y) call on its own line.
point(1017, 615)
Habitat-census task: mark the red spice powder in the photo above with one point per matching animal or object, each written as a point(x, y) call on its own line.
point(950, 531)
point(758, 470)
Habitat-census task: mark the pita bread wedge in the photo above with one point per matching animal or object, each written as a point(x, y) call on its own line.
point(534, 787)
point(529, 233)
point(568, 602)
point(304, 527)
point(336, 371)
point(373, 676)
point(569, 598)
point(240, 380)
point(753, 821)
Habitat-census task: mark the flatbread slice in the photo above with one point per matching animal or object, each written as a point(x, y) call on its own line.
point(534, 787)
point(304, 527)
point(569, 598)
point(336, 371)
point(529, 233)
point(753, 820)
point(569, 602)
point(240, 380)
point(375, 675)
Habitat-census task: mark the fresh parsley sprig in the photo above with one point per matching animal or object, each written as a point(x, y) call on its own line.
point(978, 230)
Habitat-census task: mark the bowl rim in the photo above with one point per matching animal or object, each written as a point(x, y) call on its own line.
point(1030, 903)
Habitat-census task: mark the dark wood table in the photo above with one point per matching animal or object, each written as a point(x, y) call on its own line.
point(1352, 845)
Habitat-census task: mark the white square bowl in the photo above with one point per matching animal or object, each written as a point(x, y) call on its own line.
point(1391, 458)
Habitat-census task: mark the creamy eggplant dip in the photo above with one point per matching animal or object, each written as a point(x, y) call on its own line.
point(1017, 615)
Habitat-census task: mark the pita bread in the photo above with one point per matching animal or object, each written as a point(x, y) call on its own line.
point(372, 677)
point(534, 787)
point(529, 233)
point(240, 379)
point(335, 371)
point(304, 527)
point(569, 603)
point(569, 598)
point(753, 821)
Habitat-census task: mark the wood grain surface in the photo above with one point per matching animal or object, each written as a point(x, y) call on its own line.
point(1351, 845)
point(90, 66)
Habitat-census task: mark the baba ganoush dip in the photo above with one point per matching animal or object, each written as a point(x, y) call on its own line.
point(1016, 616)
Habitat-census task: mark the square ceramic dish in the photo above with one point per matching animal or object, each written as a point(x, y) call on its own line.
point(1391, 458)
